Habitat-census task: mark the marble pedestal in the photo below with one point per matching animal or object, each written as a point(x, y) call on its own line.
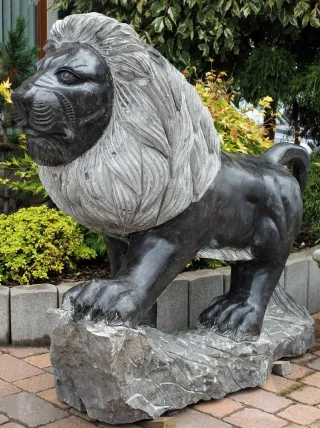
point(121, 375)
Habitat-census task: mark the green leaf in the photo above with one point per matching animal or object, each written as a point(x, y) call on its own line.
point(205, 49)
point(182, 27)
point(246, 11)
point(305, 20)
point(282, 15)
point(174, 12)
point(168, 23)
point(211, 15)
point(228, 5)
point(286, 20)
point(229, 42)
point(157, 7)
point(293, 20)
point(314, 22)
point(185, 57)
point(236, 9)
point(200, 17)
point(170, 47)
point(255, 7)
point(158, 24)
point(140, 6)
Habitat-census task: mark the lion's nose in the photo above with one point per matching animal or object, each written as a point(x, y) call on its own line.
point(22, 101)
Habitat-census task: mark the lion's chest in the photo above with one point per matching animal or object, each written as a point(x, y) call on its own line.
point(82, 198)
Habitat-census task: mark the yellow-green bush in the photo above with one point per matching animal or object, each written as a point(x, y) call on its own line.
point(39, 241)
point(238, 133)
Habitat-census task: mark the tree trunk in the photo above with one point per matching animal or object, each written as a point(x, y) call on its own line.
point(295, 119)
point(270, 120)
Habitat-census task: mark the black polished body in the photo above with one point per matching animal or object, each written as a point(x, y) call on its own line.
point(253, 204)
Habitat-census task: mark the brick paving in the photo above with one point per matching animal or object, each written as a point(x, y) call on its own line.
point(28, 397)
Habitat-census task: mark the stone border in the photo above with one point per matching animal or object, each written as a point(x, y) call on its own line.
point(23, 319)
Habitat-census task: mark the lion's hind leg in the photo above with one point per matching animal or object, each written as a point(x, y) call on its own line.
point(239, 314)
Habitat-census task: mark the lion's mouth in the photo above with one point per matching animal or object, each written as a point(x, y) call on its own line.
point(30, 132)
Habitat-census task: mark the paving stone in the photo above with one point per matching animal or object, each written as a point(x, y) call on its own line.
point(4, 315)
point(103, 425)
point(218, 408)
point(192, 419)
point(253, 418)
point(41, 361)
point(280, 385)
point(314, 348)
point(317, 353)
point(36, 383)
point(298, 372)
point(7, 389)
point(29, 323)
point(12, 369)
point(315, 364)
point(175, 296)
point(300, 414)
point(3, 419)
point(30, 410)
point(204, 286)
point(295, 275)
point(226, 272)
point(313, 303)
point(261, 399)
point(49, 370)
point(306, 395)
point(51, 396)
point(302, 359)
point(26, 352)
point(313, 379)
point(72, 422)
point(165, 422)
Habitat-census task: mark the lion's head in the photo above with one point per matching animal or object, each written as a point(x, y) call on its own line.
point(122, 139)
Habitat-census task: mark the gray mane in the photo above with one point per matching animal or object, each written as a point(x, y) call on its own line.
point(159, 153)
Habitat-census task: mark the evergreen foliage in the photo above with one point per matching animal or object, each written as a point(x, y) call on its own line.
point(190, 32)
point(16, 57)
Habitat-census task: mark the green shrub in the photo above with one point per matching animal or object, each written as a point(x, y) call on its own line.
point(311, 199)
point(39, 241)
point(238, 133)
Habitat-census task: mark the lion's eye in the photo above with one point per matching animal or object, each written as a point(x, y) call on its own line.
point(67, 77)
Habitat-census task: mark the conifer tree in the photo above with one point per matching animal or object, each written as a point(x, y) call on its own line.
point(16, 57)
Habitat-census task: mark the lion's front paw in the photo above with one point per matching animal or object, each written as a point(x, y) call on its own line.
point(234, 318)
point(112, 301)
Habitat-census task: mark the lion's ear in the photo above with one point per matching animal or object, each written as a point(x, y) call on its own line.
point(131, 67)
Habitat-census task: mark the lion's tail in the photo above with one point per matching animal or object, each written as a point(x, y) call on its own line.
point(291, 155)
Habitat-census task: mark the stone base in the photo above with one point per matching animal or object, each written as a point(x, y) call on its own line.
point(121, 375)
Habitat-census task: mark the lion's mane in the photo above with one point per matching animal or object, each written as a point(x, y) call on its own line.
point(160, 151)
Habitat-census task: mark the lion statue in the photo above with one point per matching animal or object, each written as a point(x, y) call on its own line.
point(125, 146)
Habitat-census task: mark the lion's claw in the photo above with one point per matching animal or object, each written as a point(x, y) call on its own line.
point(233, 317)
point(112, 301)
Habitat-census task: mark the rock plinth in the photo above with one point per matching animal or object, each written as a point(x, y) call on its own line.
point(121, 375)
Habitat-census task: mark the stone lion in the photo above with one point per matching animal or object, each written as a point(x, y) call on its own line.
point(125, 146)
